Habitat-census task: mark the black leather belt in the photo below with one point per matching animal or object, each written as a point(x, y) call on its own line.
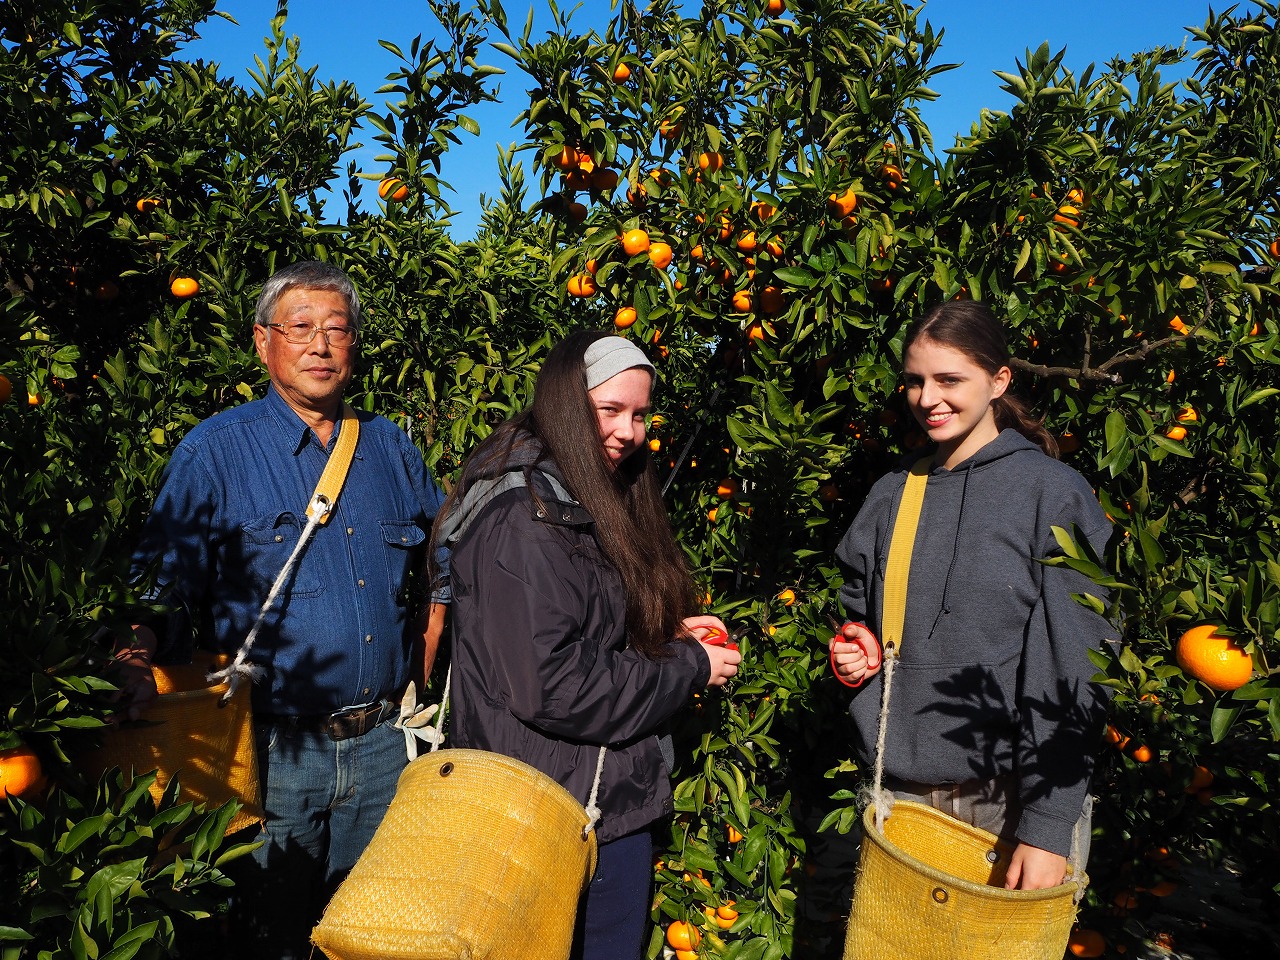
point(342, 725)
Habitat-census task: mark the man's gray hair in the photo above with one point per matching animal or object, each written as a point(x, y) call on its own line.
point(308, 275)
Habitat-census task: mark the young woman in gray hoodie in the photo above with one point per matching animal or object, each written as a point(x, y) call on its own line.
point(994, 717)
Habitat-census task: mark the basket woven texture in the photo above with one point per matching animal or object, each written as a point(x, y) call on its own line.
point(924, 892)
point(186, 732)
point(479, 857)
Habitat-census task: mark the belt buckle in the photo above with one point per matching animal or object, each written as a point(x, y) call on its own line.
point(354, 721)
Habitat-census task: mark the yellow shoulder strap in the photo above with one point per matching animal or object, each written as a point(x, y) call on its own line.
point(335, 471)
point(894, 609)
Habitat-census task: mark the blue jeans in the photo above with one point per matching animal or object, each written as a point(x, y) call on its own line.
point(613, 914)
point(323, 800)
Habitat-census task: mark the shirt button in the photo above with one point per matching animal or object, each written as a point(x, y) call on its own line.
point(368, 638)
point(366, 691)
point(361, 582)
point(279, 539)
point(350, 531)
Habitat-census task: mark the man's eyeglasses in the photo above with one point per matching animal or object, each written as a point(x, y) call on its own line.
point(302, 332)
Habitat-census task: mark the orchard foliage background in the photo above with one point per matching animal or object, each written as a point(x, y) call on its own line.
point(1124, 225)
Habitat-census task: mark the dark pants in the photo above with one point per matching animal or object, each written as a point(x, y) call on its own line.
point(613, 914)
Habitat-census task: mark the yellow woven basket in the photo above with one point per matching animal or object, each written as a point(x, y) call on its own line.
point(186, 732)
point(479, 857)
point(924, 892)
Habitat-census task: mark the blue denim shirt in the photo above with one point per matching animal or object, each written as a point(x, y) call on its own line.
point(231, 509)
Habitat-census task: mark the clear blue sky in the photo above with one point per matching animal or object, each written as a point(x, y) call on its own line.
point(341, 39)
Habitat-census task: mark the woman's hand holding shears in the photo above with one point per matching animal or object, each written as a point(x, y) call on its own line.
point(855, 653)
point(722, 652)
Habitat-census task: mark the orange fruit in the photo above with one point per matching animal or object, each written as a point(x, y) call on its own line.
point(1142, 754)
point(747, 242)
point(636, 194)
point(147, 204)
point(763, 210)
point(1068, 214)
point(655, 444)
point(772, 300)
point(843, 204)
point(774, 247)
point(20, 772)
point(742, 301)
point(1274, 249)
point(393, 188)
point(33, 400)
point(591, 266)
point(755, 331)
point(1086, 943)
point(1075, 196)
point(1188, 414)
point(1176, 433)
point(775, 8)
point(788, 597)
point(6, 389)
point(635, 241)
point(582, 285)
point(1163, 889)
point(892, 175)
point(660, 255)
point(828, 493)
point(624, 317)
point(710, 161)
point(621, 73)
point(577, 179)
point(184, 287)
point(1115, 738)
point(728, 488)
point(1068, 443)
point(686, 955)
point(1201, 777)
point(106, 291)
point(567, 159)
point(576, 212)
point(1170, 376)
point(604, 180)
point(733, 833)
point(1177, 325)
point(669, 129)
point(1213, 659)
point(1125, 900)
point(683, 936)
point(696, 253)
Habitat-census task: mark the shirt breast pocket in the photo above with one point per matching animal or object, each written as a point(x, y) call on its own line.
point(401, 540)
point(268, 543)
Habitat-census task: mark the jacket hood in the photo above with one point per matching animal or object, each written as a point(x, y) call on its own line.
point(1007, 444)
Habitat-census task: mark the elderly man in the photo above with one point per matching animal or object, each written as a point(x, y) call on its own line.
point(338, 645)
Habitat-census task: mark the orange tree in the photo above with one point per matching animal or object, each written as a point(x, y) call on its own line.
point(748, 191)
point(1124, 225)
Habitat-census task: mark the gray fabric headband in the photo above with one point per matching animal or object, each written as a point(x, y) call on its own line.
point(609, 356)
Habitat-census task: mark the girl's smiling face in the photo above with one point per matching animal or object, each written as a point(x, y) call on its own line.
point(621, 403)
point(951, 398)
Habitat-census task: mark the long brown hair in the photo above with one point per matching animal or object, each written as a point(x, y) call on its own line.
point(971, 328)
point(630, 519)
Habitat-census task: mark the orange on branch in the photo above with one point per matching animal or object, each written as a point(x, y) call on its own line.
point(184, 287)
point(582, 285)
point(660, 254)
point(621, 73)
point(683, 936)
point(624, 317)
point(393, 188)
point(20, 772)
point(634, 242)
point(1213, 659)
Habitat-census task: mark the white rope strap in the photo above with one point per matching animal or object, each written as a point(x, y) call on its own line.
point(893, 616)
point(319, 510)
point(593, 809)
point(240, 668)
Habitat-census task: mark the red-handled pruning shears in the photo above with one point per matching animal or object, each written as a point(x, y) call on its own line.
point(870, 649)
point(718, 638)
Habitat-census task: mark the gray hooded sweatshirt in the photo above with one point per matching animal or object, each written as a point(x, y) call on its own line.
point(993, 676)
